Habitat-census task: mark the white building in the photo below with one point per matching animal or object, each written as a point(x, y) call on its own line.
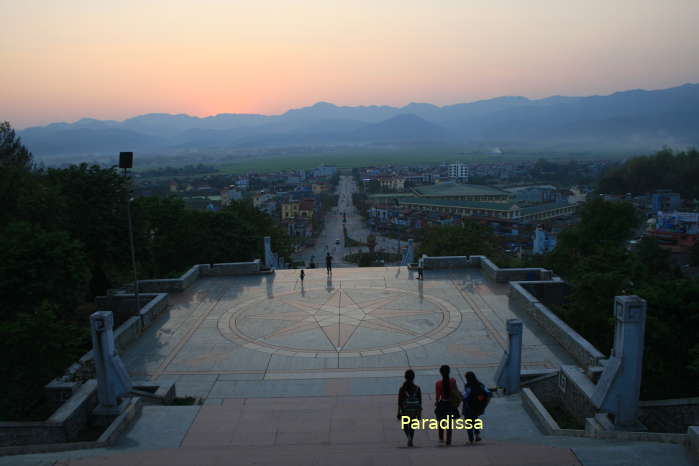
point(459, 170)
point(543, 241)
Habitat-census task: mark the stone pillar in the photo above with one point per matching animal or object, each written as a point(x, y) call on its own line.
point(269, 257)
point(112, 378)
point(619, 386)
point(508, 373)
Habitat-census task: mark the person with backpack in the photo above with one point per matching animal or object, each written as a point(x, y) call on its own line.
point(409, 404)
point(447, 401)
point(476, 398)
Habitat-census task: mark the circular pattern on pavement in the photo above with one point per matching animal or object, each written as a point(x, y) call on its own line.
point(339, 322)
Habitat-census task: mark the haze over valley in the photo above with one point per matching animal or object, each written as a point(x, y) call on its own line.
point(625, 122)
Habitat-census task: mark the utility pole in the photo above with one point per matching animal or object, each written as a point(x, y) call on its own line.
point(126, 162)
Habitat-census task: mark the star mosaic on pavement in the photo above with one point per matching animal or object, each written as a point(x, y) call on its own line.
point(339, 317)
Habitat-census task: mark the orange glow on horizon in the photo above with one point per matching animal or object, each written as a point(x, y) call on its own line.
point(118, 60)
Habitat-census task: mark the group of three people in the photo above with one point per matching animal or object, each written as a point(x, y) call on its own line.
point(474, 398)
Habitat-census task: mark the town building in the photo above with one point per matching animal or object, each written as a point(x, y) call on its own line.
point(392, 183)
point(675, 231)
point(665, 201)
point(463, 192)
point(494, 210)
point(460, 171)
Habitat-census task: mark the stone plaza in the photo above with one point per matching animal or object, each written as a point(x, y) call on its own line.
point(307, 373)
point(350, 333)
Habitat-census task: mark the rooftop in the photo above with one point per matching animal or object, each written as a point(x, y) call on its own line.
point(499, 206)
point(459, 189)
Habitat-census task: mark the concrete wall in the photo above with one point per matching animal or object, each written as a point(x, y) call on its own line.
point(64, 425)
point(445, 262)
point(577, 346)
point(550, 292)
point(569, 387)
point(500, 275)
point(123, 305)
point(230, 268)
point(675, 415)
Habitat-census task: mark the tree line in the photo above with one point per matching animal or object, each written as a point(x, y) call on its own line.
point(666, 169)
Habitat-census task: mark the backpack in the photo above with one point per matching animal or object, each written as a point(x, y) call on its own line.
point(477, 401)
point(412, 405)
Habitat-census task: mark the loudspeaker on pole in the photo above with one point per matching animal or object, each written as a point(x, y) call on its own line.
point(125, 159)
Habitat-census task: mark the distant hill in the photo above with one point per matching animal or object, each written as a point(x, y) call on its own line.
point(638, 120)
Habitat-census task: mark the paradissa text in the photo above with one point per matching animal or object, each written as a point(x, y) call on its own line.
point(447, 423)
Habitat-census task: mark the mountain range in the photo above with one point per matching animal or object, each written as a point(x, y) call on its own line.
point(627, 120)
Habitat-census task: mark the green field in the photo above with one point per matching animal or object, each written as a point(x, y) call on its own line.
point(352, 158)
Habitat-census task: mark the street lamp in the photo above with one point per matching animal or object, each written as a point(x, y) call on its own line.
point(126, 162)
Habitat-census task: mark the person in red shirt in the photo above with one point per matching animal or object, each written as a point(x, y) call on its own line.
point(447, 400)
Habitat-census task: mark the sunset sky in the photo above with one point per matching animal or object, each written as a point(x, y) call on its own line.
point(64, 60)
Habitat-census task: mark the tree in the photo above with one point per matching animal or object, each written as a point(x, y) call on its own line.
point(12, 152)
point(36, 346)
point(664, 170)
point(604, 226)
point(37, 266)
point(468, 239)
point(694, 255)
point(94, 212)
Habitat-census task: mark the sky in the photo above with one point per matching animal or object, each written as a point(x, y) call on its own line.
point(62, 60)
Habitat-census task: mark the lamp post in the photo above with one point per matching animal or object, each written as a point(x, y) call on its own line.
point(126, 162)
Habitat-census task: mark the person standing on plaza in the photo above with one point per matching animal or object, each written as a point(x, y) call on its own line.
point(447, 400)
point(420, 269)
point(476, 398)
point(302, 275)
point(409, 404)
point(329, 263)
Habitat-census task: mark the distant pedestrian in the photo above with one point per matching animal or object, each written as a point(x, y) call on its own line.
point(446, 406)
point(409, 404)
point(329, 263)
point(419, 270)
point(302, 275)
point(476, 398)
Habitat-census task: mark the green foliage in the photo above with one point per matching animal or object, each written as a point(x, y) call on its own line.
point(36, 347)
point(235, 233)
point(664, 170)
point(36, 265)
point(12, 152)
point(671, 357)
point(594, 258)
point(468, 239)
point(604, 226)
point(694, 255)
point(94, 210)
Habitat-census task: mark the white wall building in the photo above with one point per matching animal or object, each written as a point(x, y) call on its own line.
point(459, 170)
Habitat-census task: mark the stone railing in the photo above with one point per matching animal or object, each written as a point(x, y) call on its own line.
point(169, 285)
point(489, 269)
point(64, 425)
point(500, 275)
point(578, 347)
point(231, 269)
point(675, 415)
point(445, 262)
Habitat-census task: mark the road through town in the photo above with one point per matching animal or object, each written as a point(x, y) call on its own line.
point(331, 239)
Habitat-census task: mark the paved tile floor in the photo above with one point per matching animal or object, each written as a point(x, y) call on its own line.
point(308, 375)
point(354, 332)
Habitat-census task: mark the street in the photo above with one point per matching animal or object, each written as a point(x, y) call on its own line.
point(332, 240)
